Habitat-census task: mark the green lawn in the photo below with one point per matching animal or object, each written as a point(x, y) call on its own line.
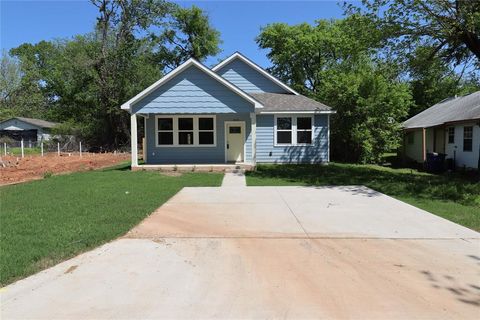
point(26, 151)
point(453, 196)
point(44, 222)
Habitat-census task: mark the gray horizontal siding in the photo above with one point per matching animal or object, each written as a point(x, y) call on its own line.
point(192, 92)
point(247, 78)
point(315, 153)
point(196, 155)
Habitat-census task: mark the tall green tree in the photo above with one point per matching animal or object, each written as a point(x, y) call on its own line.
point(337, 62)
point(188, 35)
point(84, 80)
point(449, 28)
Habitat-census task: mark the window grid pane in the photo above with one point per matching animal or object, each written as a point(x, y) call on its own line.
point(185, 124)
point(451, 135)
point(205, 137)
point(205, 124)
point(304, 123)
point(284, 137)
point(467, 138)
point(284, 123)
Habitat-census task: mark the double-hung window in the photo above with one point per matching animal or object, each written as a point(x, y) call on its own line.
point(293, 130)
point(304, 130)
point(164, 131)
point(284, 130)
point(451, 134)
point(467, 138)
point(206, 131)
point(185, 131)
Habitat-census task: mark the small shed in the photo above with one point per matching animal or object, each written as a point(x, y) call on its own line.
point(28, 129)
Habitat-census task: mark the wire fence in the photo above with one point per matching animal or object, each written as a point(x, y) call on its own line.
point(66, 146)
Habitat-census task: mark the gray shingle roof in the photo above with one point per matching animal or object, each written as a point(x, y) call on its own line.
point(36, 122)
point(449, 110)
point(288, 102)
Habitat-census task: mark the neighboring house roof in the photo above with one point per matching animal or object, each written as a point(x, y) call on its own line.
point(238, 55)
point(449, 110)
point(275, 102)
point(35, 122)
point(183, 66)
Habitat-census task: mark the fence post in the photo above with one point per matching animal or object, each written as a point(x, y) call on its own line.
point(80, 143)
point(21, 147)
point(41, 147)
point(58, 148)
point(5, 148)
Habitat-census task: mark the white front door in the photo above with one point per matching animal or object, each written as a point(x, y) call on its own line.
point(235, 141)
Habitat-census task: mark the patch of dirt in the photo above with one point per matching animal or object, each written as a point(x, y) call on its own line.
point(71, 269)
point(16, 169)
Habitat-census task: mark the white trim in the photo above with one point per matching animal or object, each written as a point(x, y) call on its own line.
point(242, 124)
point(328, 138)
point(133, 140)
point(145, 152)
point(293, 130)
point(127, 105)
point(195, 130)
point(253, 130)
point(297, 112)
point(238, 55)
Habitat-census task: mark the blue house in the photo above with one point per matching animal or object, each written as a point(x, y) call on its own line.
point(233, 113)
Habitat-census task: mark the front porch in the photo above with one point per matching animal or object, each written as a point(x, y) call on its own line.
point(195, 142)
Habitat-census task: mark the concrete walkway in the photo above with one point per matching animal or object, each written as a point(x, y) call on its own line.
point(267, 252)
point(235, 178)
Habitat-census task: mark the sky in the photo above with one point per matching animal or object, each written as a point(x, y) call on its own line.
point(239, 22)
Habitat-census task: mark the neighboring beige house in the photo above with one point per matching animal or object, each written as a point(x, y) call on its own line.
point(452, 126)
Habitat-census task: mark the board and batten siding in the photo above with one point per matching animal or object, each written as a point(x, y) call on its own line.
point(267, 152)
point(248, 79)
point(197, 154)
point(192, 92)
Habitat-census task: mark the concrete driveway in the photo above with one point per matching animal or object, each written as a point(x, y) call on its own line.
point(267, 252)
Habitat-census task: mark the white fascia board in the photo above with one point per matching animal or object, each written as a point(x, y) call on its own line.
point(297, 112)
point(127, 105)
point(252, 64)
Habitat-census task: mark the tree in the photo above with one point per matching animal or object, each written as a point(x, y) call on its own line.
point(21, 95)
point(84, 80)
point(337, 62)
point(449, 28)
point(188, 35)
point(431, 80)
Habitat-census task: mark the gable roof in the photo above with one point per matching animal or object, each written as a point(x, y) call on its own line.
point(275, 102)
point(36, 122)
point(183, 66)
point(449, 110)
point(238, 55)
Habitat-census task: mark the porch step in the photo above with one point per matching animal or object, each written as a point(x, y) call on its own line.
point(235, 168)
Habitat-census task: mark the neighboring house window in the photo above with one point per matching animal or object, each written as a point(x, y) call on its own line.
point(410, 137)
point(467, 138)
point(451, 135)
point(185, 131)
point(165, 131)
point(293, 130)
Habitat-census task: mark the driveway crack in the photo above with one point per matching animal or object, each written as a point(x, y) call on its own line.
point(293, 213)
